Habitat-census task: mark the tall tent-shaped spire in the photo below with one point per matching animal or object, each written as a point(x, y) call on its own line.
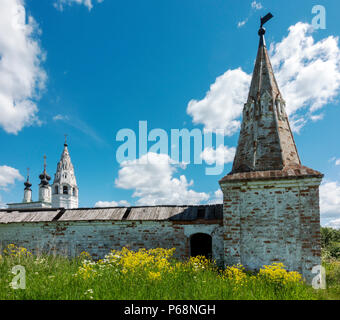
point(266, 141)
point(64, 188)
point(270, 200)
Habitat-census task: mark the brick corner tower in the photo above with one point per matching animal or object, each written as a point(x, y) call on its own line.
point(270, 200)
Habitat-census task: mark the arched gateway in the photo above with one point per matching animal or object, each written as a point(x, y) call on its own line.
point(201, 245)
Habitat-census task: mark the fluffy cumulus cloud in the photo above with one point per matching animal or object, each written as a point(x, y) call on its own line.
point(152, 179)
point(308, 74)
point(221, 155)
point(222, 106)
point(330, 204)
point(8, 176)
point(121, 203)
point(60, 4)
point(21, 74)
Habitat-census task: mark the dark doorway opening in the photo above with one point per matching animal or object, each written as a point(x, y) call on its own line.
point(201, 245)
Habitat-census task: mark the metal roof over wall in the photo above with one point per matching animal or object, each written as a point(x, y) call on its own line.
point(161, 213)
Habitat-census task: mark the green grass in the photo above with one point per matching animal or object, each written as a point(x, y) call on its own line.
point(52, 278)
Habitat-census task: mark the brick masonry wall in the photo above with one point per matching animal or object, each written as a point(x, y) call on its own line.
point(99, 237)
point(273, 221)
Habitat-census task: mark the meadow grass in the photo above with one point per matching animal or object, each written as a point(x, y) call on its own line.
point(152, 274)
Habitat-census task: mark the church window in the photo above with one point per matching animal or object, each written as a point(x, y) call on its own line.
point(65, 190)
point(56, 191)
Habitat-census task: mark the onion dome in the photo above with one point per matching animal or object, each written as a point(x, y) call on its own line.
point(27, 184)
point(44, 177)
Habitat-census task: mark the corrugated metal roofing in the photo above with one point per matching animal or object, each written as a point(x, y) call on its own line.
point(176, 213)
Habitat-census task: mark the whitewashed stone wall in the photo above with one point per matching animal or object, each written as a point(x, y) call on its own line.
point(99, 237)
point(273, 221)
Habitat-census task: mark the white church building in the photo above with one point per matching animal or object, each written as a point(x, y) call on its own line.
point(63, 193)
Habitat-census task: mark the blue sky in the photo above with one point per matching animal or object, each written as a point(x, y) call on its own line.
point(91, 68)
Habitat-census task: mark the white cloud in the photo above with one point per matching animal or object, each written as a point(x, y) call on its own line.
point(242, 23)
point(316, 117)
point(152, 179)
point(256, 5)
point(335, 160)
point(221, 155)
point(335, 223)
point(330, 202)
point(60, 4)
point(121, 203)
point(80, 125)
point(223, 103)
point(60, 117)
point(308, 74)
point(218, 197)
point(21, 74)
point(2, 205)
point(8, 175)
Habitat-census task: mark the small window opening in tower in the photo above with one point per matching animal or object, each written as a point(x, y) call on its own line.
point(56, 191)
point(65, 190)
point(73, 191)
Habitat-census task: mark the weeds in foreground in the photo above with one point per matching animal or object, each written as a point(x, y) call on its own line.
point(146, 274)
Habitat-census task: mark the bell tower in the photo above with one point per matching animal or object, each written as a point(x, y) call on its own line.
point(64, 187)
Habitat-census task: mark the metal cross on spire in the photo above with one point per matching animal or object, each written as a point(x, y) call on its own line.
point(27, 184)
point(44, 162)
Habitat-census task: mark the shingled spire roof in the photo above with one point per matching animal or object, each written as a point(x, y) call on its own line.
point(266, 146)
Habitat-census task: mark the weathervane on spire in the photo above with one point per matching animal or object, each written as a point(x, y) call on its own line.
point(266, 18)
point(65, 144)
point(262, 30)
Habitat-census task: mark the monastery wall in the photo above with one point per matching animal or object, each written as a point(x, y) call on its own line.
point(99, 237)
